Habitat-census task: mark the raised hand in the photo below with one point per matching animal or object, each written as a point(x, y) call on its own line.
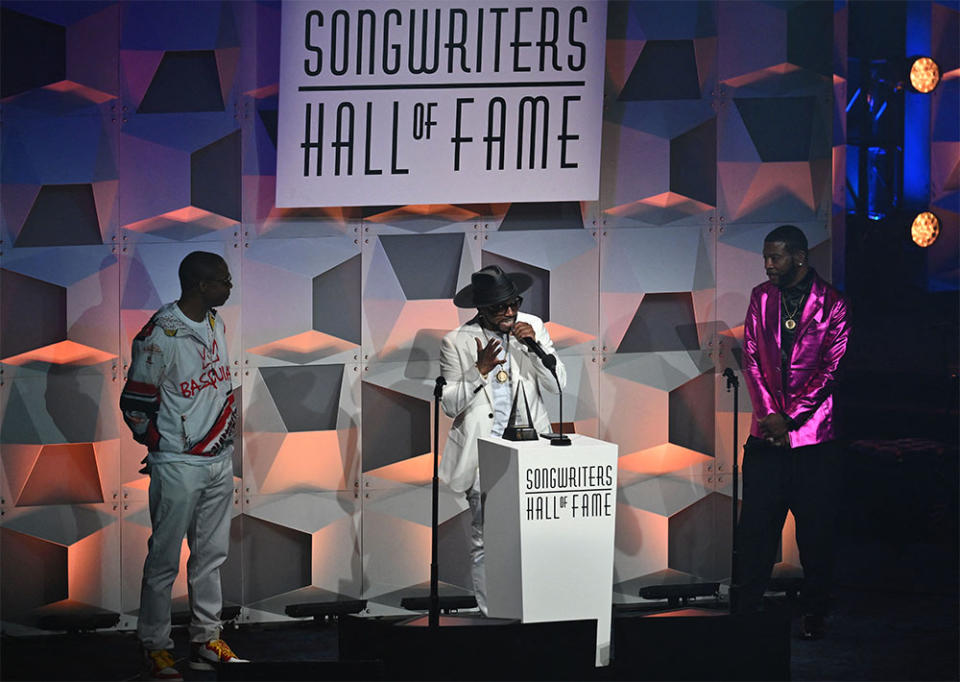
point(487, 356)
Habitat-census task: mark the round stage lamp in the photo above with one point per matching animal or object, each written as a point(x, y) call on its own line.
point(924, 74)
point(925, 229)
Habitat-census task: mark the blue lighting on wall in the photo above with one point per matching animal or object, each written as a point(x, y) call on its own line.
point(853, 99)
point(916, 115)
point(882, 182)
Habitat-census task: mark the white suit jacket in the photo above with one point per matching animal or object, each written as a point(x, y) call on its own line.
point(468, 399)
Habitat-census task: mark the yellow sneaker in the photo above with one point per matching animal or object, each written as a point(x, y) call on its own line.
point(158, 664)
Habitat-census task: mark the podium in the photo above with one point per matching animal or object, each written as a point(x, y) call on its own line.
point(549, 518)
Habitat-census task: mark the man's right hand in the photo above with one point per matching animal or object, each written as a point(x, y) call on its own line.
point(774, 425)
point(487, 356)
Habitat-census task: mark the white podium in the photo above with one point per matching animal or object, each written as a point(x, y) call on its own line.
point(549, 518)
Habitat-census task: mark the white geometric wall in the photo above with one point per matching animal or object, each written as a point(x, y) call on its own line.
point(154, 136)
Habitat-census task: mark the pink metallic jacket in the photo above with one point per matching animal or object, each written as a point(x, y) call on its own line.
point(819, 344)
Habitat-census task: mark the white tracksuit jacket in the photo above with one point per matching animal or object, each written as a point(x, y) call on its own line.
point(178, 397)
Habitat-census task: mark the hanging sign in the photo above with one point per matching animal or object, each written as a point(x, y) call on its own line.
point(439, 102)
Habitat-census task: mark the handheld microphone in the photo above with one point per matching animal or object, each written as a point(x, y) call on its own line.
point(549, 361)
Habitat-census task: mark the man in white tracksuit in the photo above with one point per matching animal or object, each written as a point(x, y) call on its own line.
point(179, 402)
point(484, 362)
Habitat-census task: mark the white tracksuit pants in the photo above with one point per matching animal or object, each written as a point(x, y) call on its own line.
point(193, 501)
point(477, 569)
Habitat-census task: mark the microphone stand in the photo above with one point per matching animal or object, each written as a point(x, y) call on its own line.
point(734, 382)
point(434, 618)
point(550, 362)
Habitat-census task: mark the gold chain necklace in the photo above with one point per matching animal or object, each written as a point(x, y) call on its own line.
point(790, 322)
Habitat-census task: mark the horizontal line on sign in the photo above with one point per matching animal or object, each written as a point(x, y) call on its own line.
point(558, 492)
point(442, 86)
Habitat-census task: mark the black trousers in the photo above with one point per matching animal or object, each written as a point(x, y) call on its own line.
point(807, 481)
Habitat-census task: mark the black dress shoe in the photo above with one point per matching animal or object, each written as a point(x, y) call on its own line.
point(811, 626)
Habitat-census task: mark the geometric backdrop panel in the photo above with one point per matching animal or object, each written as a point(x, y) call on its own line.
point(558, 215)
point(215, 177)
point(276, 559)
point(657, 259)
point(699, 539)
point(65, 405)
point(307, 397)
point(185, 81)
point(59, 305)
point(42, 303)
point(31, 40)
point(663, 322)
point(692, 414)
point(303, 300)
point(693, 163)
point(780, 127)
point(34, 573)
point(649, 80)
point(395, 426)
point(336, 301)
point(63, 474)
point(427, 266)
point(62, 215)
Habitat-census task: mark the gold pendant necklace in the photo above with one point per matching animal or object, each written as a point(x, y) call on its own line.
point(790, 323)
point(501, 376)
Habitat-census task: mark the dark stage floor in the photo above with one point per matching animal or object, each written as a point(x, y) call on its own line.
point(895, 618)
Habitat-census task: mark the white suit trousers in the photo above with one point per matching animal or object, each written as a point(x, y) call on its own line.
point(477, 569)
point(193, 501)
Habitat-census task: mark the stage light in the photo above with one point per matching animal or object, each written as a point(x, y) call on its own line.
point(925, 229)
point(323, 610)
point(924, 74)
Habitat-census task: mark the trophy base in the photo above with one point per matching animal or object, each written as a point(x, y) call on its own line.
point(520, 433)
point(556, 438)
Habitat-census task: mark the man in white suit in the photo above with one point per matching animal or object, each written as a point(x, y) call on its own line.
point(484, 362)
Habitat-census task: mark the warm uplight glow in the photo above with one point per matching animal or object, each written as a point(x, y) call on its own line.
point(62, 353)
point(924, 74)
point(307, 346)
point(925, 229)
point(187, 215)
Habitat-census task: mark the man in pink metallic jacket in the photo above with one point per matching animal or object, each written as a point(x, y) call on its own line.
point(794, 337)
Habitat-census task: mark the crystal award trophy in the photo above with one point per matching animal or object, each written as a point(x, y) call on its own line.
point(520, 426)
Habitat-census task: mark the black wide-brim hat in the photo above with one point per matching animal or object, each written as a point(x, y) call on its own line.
point(490, 286)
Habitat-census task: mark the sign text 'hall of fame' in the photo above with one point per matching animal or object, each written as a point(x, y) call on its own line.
point(568, 492)
point(518, 133)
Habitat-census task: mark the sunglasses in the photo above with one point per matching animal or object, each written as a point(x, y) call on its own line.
point(502, 307)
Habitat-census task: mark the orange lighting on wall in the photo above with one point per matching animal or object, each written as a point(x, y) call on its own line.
point(924, 74)
point(925, 229)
